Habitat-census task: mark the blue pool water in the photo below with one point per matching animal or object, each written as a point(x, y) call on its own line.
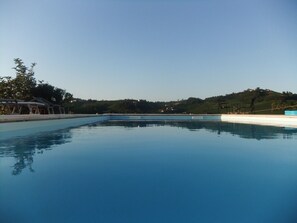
point(131, 172)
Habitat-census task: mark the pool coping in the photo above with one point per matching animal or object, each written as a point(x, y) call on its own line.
point(270, 120)
point(267, 120)
point(21, 125)
point(36, 117)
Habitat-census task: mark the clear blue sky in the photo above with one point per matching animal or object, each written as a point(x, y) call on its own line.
point(150, 49)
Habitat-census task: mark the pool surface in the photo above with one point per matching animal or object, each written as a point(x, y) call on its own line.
point(151, 172)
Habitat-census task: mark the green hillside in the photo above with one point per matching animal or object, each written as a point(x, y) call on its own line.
point(251, 101)
point(24, 86)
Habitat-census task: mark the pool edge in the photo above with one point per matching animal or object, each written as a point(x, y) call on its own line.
point(25, 125)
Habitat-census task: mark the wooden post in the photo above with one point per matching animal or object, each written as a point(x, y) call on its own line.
point(30, 109)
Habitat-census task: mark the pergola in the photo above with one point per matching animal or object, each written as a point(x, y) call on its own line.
point(11, 106)
point(51, 107)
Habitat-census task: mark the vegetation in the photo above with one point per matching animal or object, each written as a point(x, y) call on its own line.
point(251, 101)
point(25, 87)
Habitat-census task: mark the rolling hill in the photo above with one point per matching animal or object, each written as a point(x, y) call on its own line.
point(250, 101)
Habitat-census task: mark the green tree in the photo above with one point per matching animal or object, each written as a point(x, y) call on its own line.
point(51, 93)
point(24, 82)
point(6, 87)
point(67, 97)
point(24, 86)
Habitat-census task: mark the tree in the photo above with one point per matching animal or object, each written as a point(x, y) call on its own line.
point(258, 93)
point(51, 93)
point(67, 97)
point(6, 87)
point(24, 86)
point(24, 82)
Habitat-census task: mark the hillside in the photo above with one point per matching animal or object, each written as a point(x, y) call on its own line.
point(250, 101)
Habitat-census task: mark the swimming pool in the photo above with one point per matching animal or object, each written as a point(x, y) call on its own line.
point(151, 172)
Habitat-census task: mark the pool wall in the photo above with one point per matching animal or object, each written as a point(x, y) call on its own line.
point(11, 126)
point(16, 129)
point(157, 117)
point(270, 120)
point(34, 117)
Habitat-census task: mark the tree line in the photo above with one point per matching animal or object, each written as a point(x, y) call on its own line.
point(24, 86)
point(250, 101)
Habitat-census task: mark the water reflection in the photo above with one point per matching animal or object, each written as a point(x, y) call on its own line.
point(241, 130)
point(23, 149)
